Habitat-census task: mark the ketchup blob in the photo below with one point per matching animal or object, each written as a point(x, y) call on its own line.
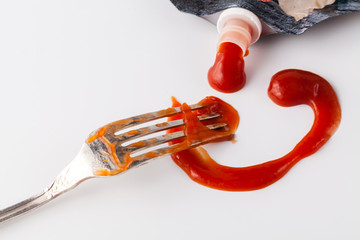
point(196, 130)
point(227, 75)
point(287, 88)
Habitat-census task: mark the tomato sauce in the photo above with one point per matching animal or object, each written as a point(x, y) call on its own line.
point(227, 75)
point(287, 88)
point(196, 131)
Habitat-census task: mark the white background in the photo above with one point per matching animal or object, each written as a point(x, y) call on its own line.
point(69, 67)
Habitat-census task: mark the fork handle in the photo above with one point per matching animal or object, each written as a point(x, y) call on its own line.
point(72, 175)
point(25, 206)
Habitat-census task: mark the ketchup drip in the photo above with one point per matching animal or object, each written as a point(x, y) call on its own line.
point(287, 88)
point(227, 75)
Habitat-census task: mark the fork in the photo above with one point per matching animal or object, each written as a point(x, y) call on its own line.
point(108, 152)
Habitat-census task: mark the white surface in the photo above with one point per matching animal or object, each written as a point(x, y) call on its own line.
point(68, 67)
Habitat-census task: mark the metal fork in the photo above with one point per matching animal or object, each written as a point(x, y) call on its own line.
point(107, 152)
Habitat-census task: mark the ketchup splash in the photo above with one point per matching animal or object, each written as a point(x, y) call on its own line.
point(227, 75)
point(287, 88)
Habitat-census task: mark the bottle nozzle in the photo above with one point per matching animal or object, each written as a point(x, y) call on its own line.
point(239, 26)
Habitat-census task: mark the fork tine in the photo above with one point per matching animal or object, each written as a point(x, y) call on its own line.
point(138, 146)
point(143, 118)
point(133, 134)
point(151, 142)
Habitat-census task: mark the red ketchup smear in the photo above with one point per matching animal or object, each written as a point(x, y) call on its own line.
point(196, 131)
point(227, 75)
point(287, 88)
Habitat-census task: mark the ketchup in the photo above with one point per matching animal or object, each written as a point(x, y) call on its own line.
point(196, 131)
point(287, 88)
point(227, 75)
